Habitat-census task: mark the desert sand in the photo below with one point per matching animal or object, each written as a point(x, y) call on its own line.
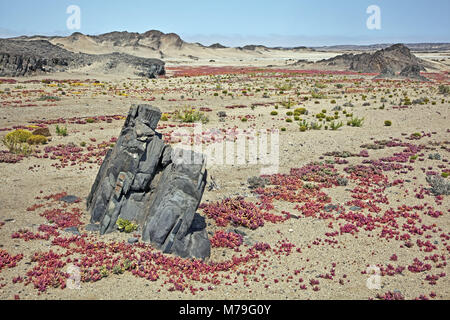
point(385, 217)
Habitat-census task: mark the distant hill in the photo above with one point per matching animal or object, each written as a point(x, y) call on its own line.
point(418, 47)
point(131, 51)
point(391, 59)
point(152, 44)
point(159, 42)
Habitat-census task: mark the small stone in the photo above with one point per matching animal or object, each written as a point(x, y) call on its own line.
point(330, 207)
point(238, 231)
point(69, 199)
point(249, 241)
point(92, 227)
point(133, 240)
point(73, 230)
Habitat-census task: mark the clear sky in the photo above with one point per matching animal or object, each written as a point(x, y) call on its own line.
point(238, 22)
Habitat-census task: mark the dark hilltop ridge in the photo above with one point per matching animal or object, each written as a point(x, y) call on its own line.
point(389, 60)
point(25, 58)
point(217, 46)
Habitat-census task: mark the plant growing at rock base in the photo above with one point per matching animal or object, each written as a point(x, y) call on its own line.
point(126, 226)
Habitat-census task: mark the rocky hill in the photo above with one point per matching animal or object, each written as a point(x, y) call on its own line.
point(394, 59)
point(28, 57)
point(156, 44)
point(153, 39)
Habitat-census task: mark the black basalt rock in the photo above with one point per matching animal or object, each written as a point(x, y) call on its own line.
point(145, 181)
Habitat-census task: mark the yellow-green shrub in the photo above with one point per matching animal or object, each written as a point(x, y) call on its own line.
point(16, 140)
point(19, 136)
point(299, 111)
point(37, 139)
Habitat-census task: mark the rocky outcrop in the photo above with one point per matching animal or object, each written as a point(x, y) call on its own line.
point(153, 39)
point(20, 58)
point(145, 181)
point(394, 58)
point(409, 72)
point(24, 58)
point(412, 72)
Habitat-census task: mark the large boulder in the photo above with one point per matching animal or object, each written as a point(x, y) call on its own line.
point(145, 181)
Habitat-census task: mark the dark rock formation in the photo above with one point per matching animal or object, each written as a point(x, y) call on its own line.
point(153, 39)
point(28, 57)
point(392, 59)
point(217, 46)
point(412, 72)
point(409, 72)
point(386, 73)
point(145, 181)
point(20, 58)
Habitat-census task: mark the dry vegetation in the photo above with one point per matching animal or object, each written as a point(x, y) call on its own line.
point(351, 192)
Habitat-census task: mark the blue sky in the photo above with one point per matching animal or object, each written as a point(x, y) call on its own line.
point(235, 23)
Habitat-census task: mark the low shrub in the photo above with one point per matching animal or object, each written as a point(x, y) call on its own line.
point(190, 115)
point(165, 117)
point(126, 226)
point(37, 139)
point(336, 125)
point(356, 122)
point(300, 111)
point(16, 140)
point(61, 131)
point(443, 89)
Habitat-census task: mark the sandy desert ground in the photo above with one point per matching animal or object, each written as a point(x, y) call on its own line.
point(348, 205)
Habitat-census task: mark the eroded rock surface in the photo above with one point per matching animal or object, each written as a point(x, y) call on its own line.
point(145, 181)
point(30, 57)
